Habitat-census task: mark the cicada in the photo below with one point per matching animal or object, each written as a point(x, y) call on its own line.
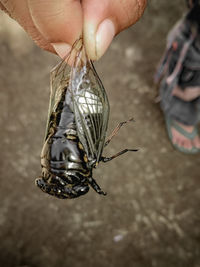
point(76, 128)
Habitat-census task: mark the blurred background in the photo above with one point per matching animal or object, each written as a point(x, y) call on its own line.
point(150, 216)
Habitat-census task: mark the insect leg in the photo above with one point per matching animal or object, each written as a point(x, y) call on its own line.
point(115, 131)
point(96, 187)
point(106, 159)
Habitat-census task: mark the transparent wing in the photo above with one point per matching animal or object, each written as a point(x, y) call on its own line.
point(59, 81)
point(86, 97)
point(90, 105)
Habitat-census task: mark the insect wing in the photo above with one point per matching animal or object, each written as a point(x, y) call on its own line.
point(86, 97)
point(58, 81)
point(91, 108)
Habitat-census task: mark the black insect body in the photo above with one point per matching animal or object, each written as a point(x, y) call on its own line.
point(76, 130)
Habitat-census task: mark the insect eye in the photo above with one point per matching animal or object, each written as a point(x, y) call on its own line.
point(84, 85)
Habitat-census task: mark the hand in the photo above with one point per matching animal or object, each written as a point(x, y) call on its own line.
point(56, 24)
point(188, 94)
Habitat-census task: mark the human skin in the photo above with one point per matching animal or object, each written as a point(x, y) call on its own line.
point(188, 94)
point(56, 24)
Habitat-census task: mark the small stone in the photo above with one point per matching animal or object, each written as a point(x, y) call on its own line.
point(163, 150)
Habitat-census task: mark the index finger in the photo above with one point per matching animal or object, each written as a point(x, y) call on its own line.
point(58, 21)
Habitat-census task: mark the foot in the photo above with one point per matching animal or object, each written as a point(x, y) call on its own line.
point(184, 138)
point(183, 141)
point(188, 94)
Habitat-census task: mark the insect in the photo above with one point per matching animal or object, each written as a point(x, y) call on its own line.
point(76, 128)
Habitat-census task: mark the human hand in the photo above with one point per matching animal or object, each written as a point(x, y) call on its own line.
point(56, 24)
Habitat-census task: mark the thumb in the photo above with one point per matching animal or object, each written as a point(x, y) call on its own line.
point(106, 18)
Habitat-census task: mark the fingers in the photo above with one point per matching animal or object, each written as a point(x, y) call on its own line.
point(20, 12)
point(60, 22)
point(48, 21)
point(104, 19)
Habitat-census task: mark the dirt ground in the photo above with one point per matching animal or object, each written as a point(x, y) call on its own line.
point(150, 216)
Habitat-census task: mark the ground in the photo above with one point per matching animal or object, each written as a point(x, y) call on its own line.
point(150, 216)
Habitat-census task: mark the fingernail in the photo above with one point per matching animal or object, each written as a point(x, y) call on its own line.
point(62, 49)
point(104, 36)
